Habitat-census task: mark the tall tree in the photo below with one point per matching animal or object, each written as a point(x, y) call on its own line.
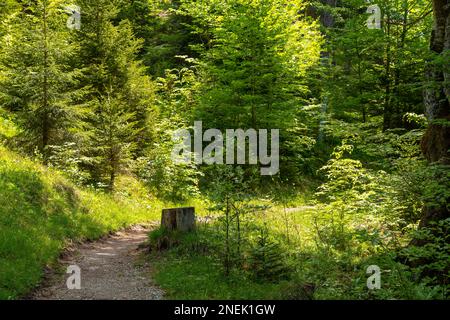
point(254, 65)
point(404, 23)
point(118, 92)
point(255, 62)
point(165, 32)
point(436, 141)
point(378, 71)
point(37, 75)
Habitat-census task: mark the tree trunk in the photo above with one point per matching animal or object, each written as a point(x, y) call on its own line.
point(326, 18)
point(181, 219)
point(45, 102)
point(436, 141)
point(388, 112)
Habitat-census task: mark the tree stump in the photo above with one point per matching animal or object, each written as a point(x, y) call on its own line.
point(181, 219)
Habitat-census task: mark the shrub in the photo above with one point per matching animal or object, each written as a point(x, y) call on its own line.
point(266, 259)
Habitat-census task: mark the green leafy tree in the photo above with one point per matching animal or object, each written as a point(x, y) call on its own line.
point(376, 71)
point(253, 64)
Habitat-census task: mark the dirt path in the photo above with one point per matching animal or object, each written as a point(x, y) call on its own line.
point(109, 271)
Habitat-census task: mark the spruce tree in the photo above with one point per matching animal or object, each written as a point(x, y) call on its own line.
point(37, 77)
point(113, 136)
point(117, 91)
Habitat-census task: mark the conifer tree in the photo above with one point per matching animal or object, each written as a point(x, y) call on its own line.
point(37, 76)
point(113, 136)
point(118, 93)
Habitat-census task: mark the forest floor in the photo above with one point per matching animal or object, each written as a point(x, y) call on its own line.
point(111, 269)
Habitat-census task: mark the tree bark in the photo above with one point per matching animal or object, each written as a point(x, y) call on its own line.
point(181, 219)
point(436, 141)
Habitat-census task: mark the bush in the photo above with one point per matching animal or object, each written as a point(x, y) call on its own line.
point(431, 259)
point(168, 180)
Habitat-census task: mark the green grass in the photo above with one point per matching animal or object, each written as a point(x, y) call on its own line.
point(40, 211)
point(192, 269)
point(200, 278)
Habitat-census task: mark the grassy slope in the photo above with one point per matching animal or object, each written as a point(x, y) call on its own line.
point(40, 211)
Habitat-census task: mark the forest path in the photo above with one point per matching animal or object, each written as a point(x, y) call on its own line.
point(110, 270)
